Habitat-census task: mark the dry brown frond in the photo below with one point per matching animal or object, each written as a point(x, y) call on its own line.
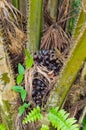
point(15, 37)
point(55, 37)
point(13, 32)
point(8, 11)
point(54, 34)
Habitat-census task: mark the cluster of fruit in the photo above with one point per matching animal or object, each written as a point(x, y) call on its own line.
point(48, 59)
point(40, 88)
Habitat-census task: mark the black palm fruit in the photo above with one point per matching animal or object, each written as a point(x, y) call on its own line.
point(48, 59)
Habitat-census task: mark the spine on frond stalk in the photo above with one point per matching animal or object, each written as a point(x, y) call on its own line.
point(34, 24)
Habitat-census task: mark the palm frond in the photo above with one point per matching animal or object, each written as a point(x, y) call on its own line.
point(54, 34)
point(55, 37)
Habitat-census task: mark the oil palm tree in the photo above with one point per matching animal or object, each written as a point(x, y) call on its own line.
point(11, 41)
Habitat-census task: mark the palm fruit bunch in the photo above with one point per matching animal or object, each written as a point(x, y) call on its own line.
point(47, 68)
point(40, 89)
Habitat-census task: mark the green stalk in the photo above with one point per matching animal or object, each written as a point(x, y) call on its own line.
point(15, 3)
point(74, 5)
point(70, 71)
point(34, 24)
point(52, 8)
point(80, 22)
